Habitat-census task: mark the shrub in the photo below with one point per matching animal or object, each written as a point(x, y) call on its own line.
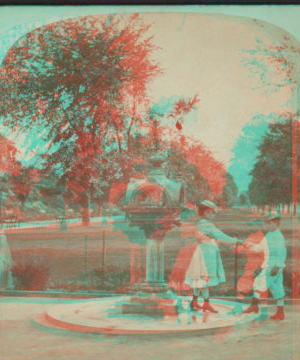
point(30, 276)
point(112, 278)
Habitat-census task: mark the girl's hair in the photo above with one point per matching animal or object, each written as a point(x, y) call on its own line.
point(185, 212)
point(202, 209)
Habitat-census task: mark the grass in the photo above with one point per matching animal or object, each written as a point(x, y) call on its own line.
point(65, 255)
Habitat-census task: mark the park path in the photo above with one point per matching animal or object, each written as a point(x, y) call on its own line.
point(21, 339)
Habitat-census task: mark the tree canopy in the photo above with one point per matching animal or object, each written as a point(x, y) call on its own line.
point(73, 78)
point(81, 85)
point(272, 172)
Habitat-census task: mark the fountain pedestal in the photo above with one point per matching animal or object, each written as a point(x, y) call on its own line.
point(151, 296)
point(152, 203)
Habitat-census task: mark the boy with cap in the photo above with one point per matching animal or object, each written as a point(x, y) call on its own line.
point(253, 265)
point(211, 252)
point(270, 278)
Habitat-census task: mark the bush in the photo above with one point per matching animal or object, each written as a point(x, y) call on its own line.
point(113, 278)
point(32, 276)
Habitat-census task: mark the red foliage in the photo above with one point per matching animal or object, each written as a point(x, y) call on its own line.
point(197, 154)
point(93, 66)
point(178, 125)
point(8, 153)
point(212, 169)
point(181, 108)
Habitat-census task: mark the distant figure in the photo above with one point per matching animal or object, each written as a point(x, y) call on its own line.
point(211, 252)
point(253, 265)
point(127, 213)
point(271, 277)
point(6, 263)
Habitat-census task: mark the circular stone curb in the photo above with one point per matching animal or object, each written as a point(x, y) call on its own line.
point(94, 317)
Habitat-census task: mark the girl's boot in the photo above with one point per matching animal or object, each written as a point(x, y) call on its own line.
point(194, 304)
point(208, 308)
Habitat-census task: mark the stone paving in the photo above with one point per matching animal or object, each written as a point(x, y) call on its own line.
point(22, 338)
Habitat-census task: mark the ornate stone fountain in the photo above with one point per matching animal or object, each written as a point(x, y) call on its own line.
point(149, 306)
point(153, 205)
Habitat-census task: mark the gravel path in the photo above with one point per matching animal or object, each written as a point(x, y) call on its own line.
point(21, 338)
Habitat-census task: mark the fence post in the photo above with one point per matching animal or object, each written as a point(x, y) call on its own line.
point(85, 252)
point(235, 268)
point(103, 250)
point(236, 265)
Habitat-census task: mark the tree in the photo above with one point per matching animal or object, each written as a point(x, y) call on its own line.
point(272, 172)
point(178, 166)
point(181, 108)
point(8, 166)
point(72, 79)
point(213, 170)
point(272, 64)
point(244, 199)
point(23, 182)
point(230, 191)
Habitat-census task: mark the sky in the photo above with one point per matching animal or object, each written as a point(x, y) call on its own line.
point(201, 53)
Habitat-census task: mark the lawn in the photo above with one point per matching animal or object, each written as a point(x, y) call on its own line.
point(67, 255)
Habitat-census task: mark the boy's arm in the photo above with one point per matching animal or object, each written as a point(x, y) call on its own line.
point(281, 252)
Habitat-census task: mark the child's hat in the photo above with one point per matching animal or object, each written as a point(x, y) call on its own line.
point(209, 204)
point(191, 207)
point(272, 218)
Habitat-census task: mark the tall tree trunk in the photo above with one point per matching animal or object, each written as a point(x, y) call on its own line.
point(86, 210)
point(106, 128)
point(129, 129)
point(119, 140)
point(278, 209)
point(63, 219)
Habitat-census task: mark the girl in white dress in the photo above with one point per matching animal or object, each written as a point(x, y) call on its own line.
point(210, 249)
point(189, 271)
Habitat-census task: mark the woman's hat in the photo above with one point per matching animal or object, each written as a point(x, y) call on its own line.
point(209, 204)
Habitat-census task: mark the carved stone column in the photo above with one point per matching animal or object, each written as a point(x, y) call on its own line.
point(155, 262)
